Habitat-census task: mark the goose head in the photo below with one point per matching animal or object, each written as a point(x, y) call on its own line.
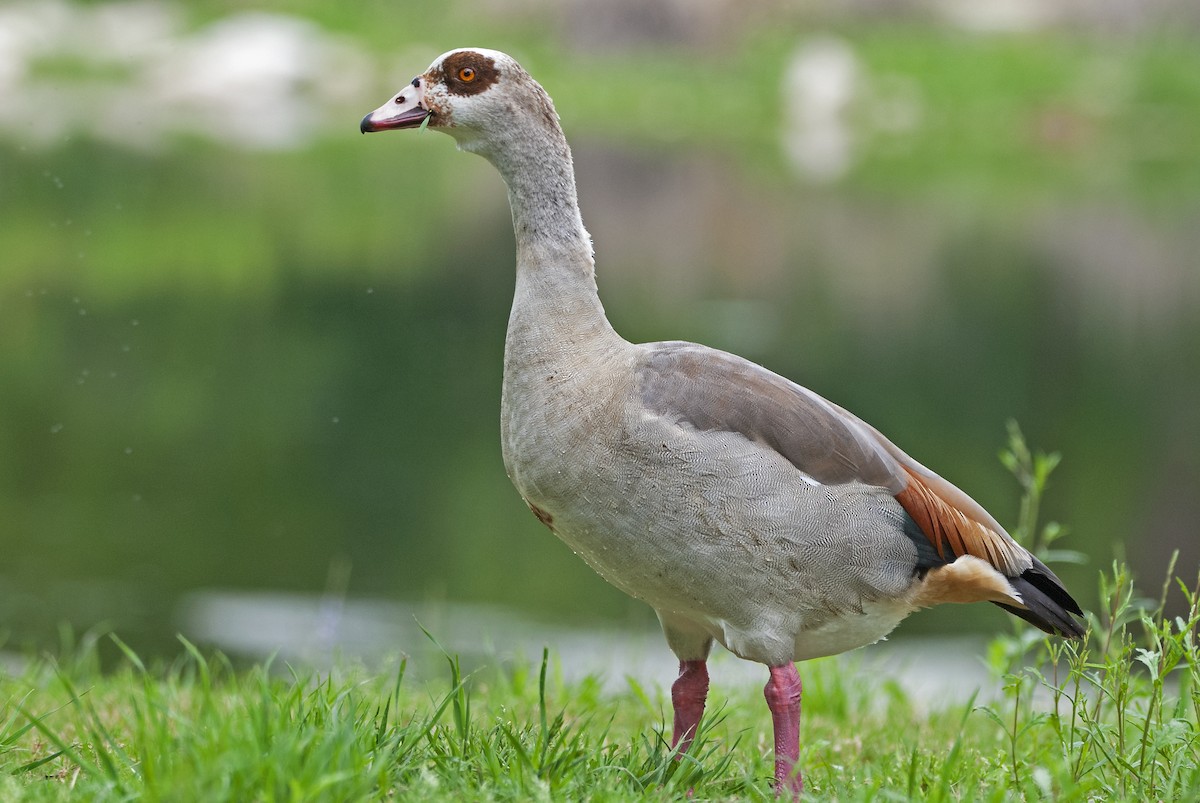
point(473, 94)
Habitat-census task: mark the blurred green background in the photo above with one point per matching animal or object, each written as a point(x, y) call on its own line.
point(243, 347)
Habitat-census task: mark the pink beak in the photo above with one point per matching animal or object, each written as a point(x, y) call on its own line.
point(405, 110)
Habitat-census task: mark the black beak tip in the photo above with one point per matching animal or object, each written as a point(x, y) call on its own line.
point(366, 126)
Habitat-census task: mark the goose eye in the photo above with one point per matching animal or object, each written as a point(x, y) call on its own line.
point(466, 75)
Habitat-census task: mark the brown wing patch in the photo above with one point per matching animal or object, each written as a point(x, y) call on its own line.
point(542, 516)
point(953, 533)
point(466, 73)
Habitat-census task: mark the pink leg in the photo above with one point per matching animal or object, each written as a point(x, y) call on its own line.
point(687, 696)
point(783, 698)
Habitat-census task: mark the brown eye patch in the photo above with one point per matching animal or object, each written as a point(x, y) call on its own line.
point(467, 73)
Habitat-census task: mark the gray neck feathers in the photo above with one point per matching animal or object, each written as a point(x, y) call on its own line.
point(555, 269)
point(536, 165)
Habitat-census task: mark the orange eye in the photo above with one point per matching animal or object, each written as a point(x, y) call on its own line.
point(466, 75)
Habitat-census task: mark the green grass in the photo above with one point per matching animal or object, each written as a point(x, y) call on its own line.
point(1115, 716)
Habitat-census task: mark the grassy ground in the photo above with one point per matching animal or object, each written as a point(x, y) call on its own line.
point(1114, 717)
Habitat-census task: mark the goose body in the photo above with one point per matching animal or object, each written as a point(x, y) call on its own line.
point(744, 508)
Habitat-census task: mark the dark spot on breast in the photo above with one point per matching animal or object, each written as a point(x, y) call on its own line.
point(542, 516)
point(486, 74)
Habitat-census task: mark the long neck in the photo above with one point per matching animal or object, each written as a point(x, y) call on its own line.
point(556, 283)
point(546, 220)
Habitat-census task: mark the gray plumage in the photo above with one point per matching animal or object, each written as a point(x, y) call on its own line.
point(742, 507)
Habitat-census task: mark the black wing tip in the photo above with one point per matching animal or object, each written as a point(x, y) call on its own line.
point(1046, 581)
point(1064, 625)
point(1048, 606)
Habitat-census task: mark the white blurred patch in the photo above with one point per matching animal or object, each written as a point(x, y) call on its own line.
point(834, 109)
point(821, 81)
point(998, 16)
point(256, 79)
point(251, 79)
point(26, 31)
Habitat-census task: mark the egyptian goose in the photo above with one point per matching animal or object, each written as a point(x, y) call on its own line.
point(742, 507)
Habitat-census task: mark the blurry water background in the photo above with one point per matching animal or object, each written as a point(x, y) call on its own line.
point(249, 355)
